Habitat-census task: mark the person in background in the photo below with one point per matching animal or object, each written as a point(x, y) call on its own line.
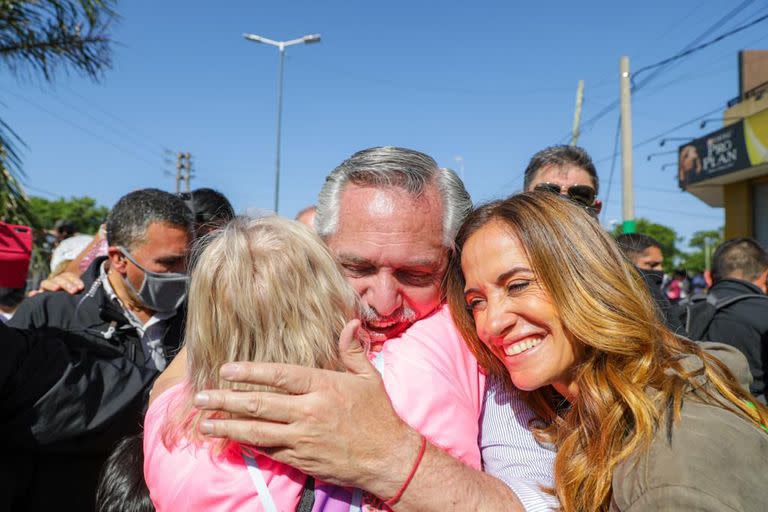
point(307, 216)
point(739, 276)
point(642, 250)
point(10, 298)
point(565, 170)
point(66, 251)
point(211, 209)
point(121, 483)
point(131, 308)
point(642, 419)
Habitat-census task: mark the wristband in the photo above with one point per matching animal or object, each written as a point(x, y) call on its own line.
point(394, 499)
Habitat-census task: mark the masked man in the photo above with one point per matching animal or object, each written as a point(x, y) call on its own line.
point(131, 306)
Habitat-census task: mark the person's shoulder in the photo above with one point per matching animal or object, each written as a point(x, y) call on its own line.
point(690, 458)
point(46, 309)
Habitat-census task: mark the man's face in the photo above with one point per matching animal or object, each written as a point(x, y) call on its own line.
point(390, 247)
point(566, 176)
point(164, 250)
point(650, 259)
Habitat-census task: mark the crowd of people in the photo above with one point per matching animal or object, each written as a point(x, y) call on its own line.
point(393, 348)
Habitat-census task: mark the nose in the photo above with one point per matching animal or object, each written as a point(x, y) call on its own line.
point(499, 319)
point(383, 294)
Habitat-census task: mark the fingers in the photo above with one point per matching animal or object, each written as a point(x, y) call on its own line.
point(293, 379)
point(266, 406)
point(257, 433)
point(352, 353)
point(66, 281)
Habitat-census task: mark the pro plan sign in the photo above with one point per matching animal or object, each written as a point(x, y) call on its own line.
point(716, 154)
point(739, 146)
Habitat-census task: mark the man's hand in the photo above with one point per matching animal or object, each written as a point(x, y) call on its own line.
point(67, 281)
point(339, 427)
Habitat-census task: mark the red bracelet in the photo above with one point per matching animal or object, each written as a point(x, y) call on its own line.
point(391, 501)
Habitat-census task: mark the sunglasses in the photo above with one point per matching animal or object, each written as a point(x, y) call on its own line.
point(583, 195)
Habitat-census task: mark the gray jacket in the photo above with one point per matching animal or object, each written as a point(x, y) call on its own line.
point(711, 460)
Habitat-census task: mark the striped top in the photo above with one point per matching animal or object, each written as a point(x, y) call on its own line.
point(509, 450)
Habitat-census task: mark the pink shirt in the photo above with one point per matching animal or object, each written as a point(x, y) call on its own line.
point(434, 384)
point(192, 478)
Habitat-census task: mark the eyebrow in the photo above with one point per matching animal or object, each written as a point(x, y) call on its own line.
point(420, 262)
point(171, 258)
point(503, 277)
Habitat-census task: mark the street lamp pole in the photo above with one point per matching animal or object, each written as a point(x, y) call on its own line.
point(281, 46)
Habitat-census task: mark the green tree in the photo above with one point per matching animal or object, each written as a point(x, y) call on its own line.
point(86, 215)
point(667, 238)
point(38, 37)
point(700, 242)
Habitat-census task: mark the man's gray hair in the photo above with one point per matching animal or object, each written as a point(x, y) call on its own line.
point(129, 219)
point(389, 166)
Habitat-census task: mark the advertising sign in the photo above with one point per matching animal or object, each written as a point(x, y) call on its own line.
point(733, 148)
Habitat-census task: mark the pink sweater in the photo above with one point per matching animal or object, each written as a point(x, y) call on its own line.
point(434, 384)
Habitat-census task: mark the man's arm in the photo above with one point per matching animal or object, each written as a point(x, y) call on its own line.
point(341, 428)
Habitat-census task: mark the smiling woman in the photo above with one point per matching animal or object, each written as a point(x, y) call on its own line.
point(641, 417)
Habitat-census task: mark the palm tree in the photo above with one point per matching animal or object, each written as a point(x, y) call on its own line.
point(40, 37)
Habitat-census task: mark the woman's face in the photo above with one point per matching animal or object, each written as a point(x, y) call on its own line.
point(513, 314)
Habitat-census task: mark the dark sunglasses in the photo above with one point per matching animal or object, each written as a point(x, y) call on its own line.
point(583, 195)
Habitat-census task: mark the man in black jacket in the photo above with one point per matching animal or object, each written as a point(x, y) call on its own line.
point(740, 269)
point(130, 309)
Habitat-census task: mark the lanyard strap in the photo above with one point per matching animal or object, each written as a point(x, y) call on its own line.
point(260, 483)
point(357, 501)
point(378, 362)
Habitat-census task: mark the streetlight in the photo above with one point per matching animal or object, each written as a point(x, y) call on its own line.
point(648, 159)
point(668, 139)
point(281, 45)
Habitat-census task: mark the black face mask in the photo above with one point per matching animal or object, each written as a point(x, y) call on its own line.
point(655, 275)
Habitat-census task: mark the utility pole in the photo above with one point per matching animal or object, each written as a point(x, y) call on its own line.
point(577, 113)
point(183, 170)
point(628, 200)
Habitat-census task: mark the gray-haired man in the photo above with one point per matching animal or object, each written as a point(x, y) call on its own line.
point(389, 215)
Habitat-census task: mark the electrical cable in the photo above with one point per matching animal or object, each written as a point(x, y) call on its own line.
point(695, 49)
point(79, 127)
point(607, 109)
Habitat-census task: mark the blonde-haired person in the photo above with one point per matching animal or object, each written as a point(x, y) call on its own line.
point(262, 290)
point(642, 419)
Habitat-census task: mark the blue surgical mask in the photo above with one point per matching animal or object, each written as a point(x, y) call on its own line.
point(162, 292)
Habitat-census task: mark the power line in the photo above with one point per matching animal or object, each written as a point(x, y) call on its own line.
point(700, 47)
point(42, 191)
point(79, 127)
point(131, 133)
point(607, 109)
point(666, 132)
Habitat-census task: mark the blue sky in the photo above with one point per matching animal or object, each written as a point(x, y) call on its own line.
point(490, 82)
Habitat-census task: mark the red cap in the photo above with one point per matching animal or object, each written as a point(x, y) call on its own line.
point(15, 254)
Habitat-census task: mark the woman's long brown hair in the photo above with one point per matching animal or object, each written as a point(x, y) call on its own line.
point(629, 377)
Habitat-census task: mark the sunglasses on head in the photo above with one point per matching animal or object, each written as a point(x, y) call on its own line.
point(583, 195)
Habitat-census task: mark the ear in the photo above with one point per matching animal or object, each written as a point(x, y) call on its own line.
point(117, 261)
point(708, 278)
point(762, 281)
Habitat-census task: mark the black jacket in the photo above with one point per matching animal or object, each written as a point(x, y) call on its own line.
point(99, 397)
point(744, 325)
point(670, 313)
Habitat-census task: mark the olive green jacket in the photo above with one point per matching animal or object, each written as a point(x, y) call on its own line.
point(711, 459)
